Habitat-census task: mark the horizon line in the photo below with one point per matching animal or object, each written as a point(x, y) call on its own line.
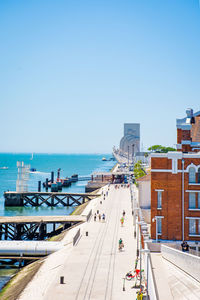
point(66, 153)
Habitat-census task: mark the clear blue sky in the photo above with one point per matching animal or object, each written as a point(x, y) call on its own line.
point(72, 72)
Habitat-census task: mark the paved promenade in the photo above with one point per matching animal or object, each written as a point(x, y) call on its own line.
point(94, 268)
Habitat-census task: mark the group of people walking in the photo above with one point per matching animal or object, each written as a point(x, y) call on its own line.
point(117, 186)
point(100, 217)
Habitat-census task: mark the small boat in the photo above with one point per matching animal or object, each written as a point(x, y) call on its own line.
point(104, 159)
point(3, 168)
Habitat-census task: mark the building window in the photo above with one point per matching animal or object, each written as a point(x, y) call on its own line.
point(159, 199)
point(192, 226)
point(159, 225)
point(198, 178)
point(198, 226)
point(192, 175)
point(192, 200)
point(198, 200)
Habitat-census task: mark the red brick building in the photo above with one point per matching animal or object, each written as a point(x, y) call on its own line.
point(175, 185)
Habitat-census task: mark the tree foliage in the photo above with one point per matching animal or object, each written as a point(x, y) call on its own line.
point(138, 170)
point(161, 149)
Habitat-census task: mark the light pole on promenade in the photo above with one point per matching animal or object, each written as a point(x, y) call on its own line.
point(135, 216)
point(138, 236)
point(133, 152)
point(128, 155)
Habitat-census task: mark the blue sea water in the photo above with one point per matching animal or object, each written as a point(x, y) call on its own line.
point(81, 164)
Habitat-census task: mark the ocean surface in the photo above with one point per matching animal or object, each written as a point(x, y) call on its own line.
point(81, 164)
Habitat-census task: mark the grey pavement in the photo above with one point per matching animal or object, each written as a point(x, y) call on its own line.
point(95, 268)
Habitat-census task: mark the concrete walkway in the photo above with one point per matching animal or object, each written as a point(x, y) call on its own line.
point(94, 268)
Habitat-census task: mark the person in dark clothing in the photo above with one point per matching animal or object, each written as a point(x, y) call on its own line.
point(185, 246)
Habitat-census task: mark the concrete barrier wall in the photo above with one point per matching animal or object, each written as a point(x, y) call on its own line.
point(185, 261)
point(151, 281)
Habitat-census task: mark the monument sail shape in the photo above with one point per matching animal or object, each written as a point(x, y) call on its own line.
point(130, 142)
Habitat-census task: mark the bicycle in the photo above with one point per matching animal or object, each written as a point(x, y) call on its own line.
point(129, 276)
point(121, 246)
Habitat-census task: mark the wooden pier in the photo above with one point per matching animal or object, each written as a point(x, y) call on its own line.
point(35, 227)
point(46, 198)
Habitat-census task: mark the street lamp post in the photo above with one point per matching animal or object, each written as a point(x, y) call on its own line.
point(133, 152)
point(137, 250)
point(128, 155)
point(137, 253)
point(134, 219)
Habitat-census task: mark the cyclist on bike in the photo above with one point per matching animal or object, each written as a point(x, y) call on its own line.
point(121, 244)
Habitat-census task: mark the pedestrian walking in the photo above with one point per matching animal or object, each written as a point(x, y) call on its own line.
point(121, 244)
point(103, 217)
point(122, 221)
point(95, 217)
point(124, 213)
point(99, 217)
